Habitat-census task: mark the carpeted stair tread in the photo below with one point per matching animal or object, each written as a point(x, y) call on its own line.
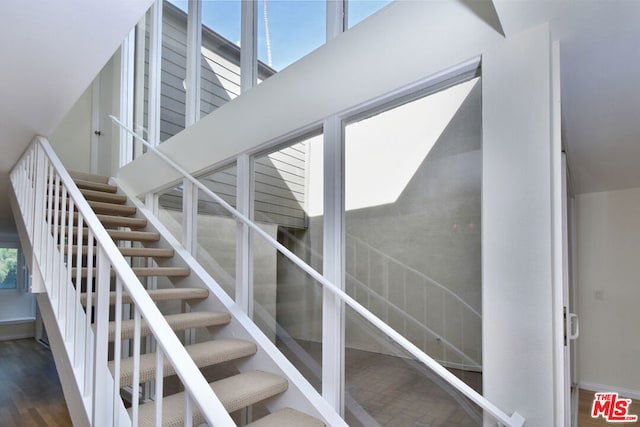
point(101, 196)
point(95, 186)
point(236, 392)
point(111, 208)
point(288, 417)
point(111, 221)
point(142, 272)
point(147, 252)
point(83, 176)
point(203, 354)
point(134, 252)
point(178, 322)
point(168, 294)
point(122, 235)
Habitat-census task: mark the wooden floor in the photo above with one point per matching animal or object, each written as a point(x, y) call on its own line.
point(31, 395)
point(584, 412)
point(30, 392)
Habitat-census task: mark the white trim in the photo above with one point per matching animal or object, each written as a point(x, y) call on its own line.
point(139, 82)
point(95, 124)
point(336, 18)
point(557, 260)
point(127, 79)
point(623, 392)
point(155, 72)
point(194, 42)
point(249, 45)
point(17, 320)
point(244, 243)
point(333, 313)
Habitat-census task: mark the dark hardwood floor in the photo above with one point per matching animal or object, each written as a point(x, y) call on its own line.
point(30, 391)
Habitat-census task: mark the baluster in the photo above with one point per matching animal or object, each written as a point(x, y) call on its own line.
point(117, 344)
point(159, 384)
point(89, 309)
point(55, 251)
point(78, 326)
point(47, 238)
point(71, 319)
point(101, 413)
point(188, 410)
point(135, 384)
point(62, 293)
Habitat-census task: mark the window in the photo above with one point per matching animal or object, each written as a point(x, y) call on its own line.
point(8, 268)
point(359, 10)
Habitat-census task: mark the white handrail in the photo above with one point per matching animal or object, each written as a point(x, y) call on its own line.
point(108, 257)
point(515, 420)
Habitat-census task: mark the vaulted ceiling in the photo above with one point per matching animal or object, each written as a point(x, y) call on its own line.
point(51, 51)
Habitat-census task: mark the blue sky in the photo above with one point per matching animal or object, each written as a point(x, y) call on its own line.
point(297, 27)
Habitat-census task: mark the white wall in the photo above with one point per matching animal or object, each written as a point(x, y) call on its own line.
point(608, 246)
point(516, 227)
point(71, 139)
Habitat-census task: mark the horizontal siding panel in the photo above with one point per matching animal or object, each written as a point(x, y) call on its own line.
point(282, 172)
point(287, 158)
point(279, 182)
point(261, 206)
point(282, 193)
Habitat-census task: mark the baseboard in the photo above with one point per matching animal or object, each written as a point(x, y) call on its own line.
point(17, 320)
point(16, 337)
point(623, 392)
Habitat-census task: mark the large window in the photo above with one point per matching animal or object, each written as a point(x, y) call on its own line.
point(289, 30)
point(413, 245)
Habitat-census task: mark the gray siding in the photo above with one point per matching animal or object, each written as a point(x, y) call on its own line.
point(279, 177)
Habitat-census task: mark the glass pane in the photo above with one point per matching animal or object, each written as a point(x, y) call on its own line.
point(220, 79)
point(413, 238)
point(288, 206)
point(216, 250)
point(8, 268)
point(359, 10)
point(170, 210)
point(387, 386)
point(289, 30)
point(174, 65)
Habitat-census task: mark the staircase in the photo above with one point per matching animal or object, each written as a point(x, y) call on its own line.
point(241, 390)
point(110, 335)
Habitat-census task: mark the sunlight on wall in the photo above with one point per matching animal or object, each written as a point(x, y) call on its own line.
point(383, 152)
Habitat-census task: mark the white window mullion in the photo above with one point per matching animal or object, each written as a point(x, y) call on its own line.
point(155, 71)
point(127, 58)
point(192, 115)
point(139, 127)
point(194, 43)
point(333, 265)
point(249, 45)
point(336, 18)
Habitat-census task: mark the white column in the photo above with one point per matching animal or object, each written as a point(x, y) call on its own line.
point(517, 297)
point(244, 264)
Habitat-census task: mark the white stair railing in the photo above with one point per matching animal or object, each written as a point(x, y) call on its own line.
point(515, 420)
point(54, 213)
